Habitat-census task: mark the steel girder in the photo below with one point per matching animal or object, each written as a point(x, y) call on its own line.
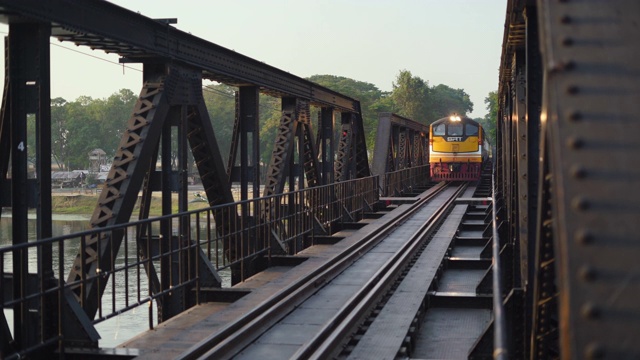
point(5, 134)
point(352, 161)
point(544, 320)
point(295, 122)
point(244, 167)
point(523, 126)
point(325, 144)
point(113, 29)
point(582, 250)
point(166, 90)
point(591, 107)
point(120, 191)
point(246, 142)
point(531, 151)
point(403, 149)
point(400, 143)
point(27, 93)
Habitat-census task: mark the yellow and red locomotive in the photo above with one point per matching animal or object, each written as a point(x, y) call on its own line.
point(457, 149)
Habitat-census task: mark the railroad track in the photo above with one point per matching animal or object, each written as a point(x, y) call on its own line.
point(322, 315)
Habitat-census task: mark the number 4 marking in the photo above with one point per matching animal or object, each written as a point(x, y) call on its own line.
point(21, 146)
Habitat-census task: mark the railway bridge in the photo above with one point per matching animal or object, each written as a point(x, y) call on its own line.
point(331, 256)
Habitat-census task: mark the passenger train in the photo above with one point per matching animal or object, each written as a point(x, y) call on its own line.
point(457, 149)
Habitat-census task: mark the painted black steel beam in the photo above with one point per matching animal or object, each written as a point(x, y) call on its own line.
point(113, 29)
point(388, 124)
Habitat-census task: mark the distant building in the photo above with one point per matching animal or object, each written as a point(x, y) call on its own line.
point(97, 159)
point(68, 179)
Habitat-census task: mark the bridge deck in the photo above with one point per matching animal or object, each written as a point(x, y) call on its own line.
point(299, 327)
point(178, 334)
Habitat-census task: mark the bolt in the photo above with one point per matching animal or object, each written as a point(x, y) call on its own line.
point(587, 273)
point(569, 65)
point(574, 143)
point(594, 351)
point(572, 90)
point(583, 236)
point(590, 311)
point(579, 203)
point(578, 172)
point(575, 116)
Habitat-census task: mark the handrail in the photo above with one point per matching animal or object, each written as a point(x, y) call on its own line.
point(297, 214)
point(500, 344)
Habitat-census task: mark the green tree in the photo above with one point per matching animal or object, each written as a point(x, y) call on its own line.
point(270, 114)
point(411, 97)
point(83, 133)
point(112, 115)
point(372, 100)
point(445, 101)
point(489, 121)
point(220, 102)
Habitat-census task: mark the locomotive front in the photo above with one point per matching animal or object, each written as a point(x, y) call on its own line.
point(456, 148)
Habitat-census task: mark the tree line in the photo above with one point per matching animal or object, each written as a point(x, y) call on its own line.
point(85, 124)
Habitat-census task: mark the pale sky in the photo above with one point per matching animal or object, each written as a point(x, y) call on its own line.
point(451, 42)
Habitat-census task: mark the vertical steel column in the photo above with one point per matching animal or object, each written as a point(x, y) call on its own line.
point(247, 136)
point(395, 147)
point(20, 56)
point(402, 148)
point(521, 162)
point(183, 166)
point(5, 134)
point(29, 94)
point(326, 144)
point(512, 195)
point(165, 239)
point(352, 161)
point(345, 164)
point(295, 169)
point(383, 150)
point(280, 164)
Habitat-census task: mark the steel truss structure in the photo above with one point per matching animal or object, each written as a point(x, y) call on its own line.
point(401, 143)
point(170, 106)
point(567, 179)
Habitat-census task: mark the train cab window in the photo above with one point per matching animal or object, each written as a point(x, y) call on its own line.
point(455, 130)
point(471, 130)
point(439, 130)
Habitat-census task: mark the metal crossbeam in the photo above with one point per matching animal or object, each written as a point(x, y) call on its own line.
point(113, 29)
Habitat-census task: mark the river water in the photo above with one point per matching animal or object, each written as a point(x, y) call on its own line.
point(115, 330)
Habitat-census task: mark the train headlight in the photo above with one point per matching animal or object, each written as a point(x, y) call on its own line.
point(454, 118)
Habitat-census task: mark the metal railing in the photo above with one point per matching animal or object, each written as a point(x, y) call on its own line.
point(500, 334)
point(162, 257)
point(402, 182)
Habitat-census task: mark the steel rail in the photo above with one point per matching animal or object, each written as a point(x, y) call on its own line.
point(236, 335)
point(341, 325)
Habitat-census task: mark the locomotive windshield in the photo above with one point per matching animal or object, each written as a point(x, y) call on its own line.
point(471, 129)
point(439, 129)
point(455, 130)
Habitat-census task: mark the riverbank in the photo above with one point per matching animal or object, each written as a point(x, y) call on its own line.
point(81, 202)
